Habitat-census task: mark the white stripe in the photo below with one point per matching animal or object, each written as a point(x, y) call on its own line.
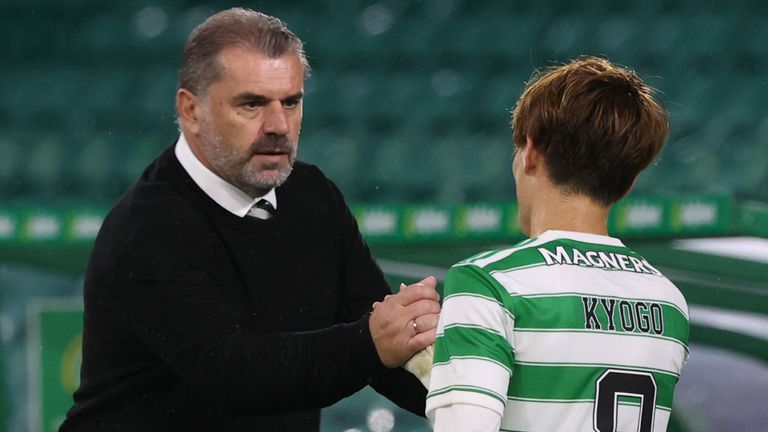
point(572, 279)
point(475, 311)
point(474, 372)
point(569, 417)
point(599, 348)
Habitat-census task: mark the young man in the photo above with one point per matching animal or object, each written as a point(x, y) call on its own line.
point(569, 330)
point(230, 288)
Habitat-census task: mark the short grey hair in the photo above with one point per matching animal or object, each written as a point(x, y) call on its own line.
point(233, 27)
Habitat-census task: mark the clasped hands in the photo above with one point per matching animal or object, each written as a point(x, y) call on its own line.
point(405, 323)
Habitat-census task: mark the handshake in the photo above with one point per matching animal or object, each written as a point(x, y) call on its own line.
point(403, 327)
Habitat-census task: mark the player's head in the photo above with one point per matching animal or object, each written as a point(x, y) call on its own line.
point(596, 126)
point(239, 98)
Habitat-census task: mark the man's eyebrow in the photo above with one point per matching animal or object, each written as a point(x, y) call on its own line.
point(295, 96)
point(261, 99)
point(251, 97)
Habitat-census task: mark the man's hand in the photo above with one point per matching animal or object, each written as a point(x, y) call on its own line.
point(405, 323)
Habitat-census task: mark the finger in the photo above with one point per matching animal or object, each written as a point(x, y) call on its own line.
point(421, 307)
point(375, 305)
point(426, 322)
point(412, 293)
point(421, 340)
point(429, 281)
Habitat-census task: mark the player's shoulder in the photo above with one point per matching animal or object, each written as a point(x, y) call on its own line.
point(475, 274)
point(520, 255)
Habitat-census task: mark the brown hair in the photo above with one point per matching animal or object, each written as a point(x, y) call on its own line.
point(235, 26)
point(597, 124)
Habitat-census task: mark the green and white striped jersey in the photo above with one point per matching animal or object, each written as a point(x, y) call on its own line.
point(563, 332)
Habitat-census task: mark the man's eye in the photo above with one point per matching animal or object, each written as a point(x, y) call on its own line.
point(251, 105)
point(291, 103)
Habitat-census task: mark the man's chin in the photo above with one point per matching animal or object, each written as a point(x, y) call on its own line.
point(268, 179)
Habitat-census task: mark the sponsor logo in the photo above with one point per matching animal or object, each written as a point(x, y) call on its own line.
point(431, 221)
point(86, 227)
point(43, 227)
point(7, 227)
point(483, 219)
point(379, 222)
point(597, 259)
point(643, 216)
point(698, 214)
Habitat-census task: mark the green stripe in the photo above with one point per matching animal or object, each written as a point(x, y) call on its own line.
point(466, 388)
point(567, 312)
point(473, 342)
point(629, 400)
point(483, 255)
point(573, 383)
point(524, 257)
point(477, 257)
point(473, 358)
point(524, 267)
point(470, 326)
point(574, 293)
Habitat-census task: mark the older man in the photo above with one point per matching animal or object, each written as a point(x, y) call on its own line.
point(230, 288)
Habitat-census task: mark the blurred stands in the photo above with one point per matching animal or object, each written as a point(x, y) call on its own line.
point(408, 101)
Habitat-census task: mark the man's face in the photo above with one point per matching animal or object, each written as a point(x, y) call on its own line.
point(250, 119)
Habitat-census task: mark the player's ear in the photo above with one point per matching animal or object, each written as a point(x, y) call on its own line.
point(187, 106)
point(531, 157)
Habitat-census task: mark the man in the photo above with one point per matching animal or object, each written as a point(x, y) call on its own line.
point(230, 288)
point(569, 330)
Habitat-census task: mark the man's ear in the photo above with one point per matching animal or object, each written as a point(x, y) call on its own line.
point(532, 158)
point(187, 105)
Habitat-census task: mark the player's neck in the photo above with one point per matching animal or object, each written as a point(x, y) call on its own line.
point(575, 213)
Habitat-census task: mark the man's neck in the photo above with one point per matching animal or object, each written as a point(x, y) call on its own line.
point(577, 213)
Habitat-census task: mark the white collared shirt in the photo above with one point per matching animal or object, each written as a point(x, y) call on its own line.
point(224, 193)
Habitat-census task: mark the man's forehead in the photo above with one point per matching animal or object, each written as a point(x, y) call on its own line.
point(242, 62)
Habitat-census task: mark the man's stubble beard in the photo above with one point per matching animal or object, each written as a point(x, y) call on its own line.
point(237, 168)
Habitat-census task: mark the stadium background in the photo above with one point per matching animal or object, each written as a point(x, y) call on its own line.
point(407, 109)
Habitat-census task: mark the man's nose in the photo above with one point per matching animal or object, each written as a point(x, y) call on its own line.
point(275, 120)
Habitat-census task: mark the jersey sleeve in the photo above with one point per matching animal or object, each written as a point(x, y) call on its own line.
point(474, 351)
point(463, 418)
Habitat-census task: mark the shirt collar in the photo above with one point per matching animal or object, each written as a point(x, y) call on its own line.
point(582, 237)
point(224, 193)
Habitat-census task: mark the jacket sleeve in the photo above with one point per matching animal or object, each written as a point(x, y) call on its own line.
point(364, 284)
point(178, 308)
